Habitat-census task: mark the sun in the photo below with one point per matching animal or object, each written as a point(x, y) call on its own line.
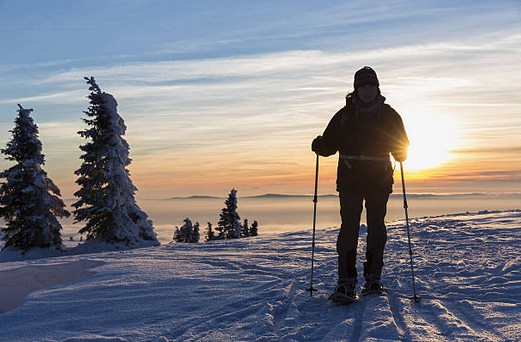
point(431, 138)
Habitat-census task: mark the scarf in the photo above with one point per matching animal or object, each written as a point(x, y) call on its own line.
point(368, 110)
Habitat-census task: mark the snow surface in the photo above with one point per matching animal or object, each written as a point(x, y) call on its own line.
point(467, 273)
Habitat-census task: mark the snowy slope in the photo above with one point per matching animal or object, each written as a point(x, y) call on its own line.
point(468, 274)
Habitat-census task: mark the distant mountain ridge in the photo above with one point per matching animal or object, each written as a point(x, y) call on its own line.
point(287, 196)
point(397, 193)
point(264, 196)
point(195, 197)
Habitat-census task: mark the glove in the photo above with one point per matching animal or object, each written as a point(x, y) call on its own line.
point(316, 144)
point(400, 156)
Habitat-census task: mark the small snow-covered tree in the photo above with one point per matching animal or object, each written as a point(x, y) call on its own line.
point(188, 232)
point(254, 229)
point(245, 230)
point(229, 222)
point(196, 235)
point(29, 200)
point(106, 196)
point(177, 233)
point(220, 233)
point(183, 234)
point(209, 232)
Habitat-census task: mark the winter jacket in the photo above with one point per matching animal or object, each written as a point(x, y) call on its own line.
point(364, 145)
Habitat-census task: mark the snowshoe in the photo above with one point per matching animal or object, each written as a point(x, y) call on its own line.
point(345, 293)
point(372, 286)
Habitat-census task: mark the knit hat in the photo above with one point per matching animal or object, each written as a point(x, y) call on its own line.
point(366, 76)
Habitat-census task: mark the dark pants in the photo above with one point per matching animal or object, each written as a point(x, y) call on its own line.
point(350, 211)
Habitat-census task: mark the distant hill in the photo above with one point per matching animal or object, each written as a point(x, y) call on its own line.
point(397, 193)
point(278, 196)
point(282, 196)
point(264, 196)
point(195, 197)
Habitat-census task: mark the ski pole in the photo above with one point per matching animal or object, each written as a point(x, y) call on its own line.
point(405, 207)
point(315, 200)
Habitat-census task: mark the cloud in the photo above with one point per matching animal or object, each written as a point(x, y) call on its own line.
point(53, 97)
point(232, 113)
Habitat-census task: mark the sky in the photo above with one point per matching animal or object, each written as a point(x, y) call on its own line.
point(229, 94)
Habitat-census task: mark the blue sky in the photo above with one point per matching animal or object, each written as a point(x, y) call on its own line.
point(222, 94)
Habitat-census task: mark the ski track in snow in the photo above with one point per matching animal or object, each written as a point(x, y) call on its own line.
point(467, 273)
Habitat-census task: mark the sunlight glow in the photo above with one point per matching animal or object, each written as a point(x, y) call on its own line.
point(432, 139)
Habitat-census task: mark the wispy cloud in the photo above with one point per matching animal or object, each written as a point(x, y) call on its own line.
point(273, 84)
point(243, 108)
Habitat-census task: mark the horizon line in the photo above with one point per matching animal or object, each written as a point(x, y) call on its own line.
point(283, 195)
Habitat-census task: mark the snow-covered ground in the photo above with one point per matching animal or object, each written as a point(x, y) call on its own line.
point(467, 273)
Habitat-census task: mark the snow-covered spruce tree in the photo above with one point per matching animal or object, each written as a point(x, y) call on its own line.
point(29, 200)
point(177, 232)
point(184, 233)
point(188, 232)
point(106, 196)
point(245, 230)
point(196, 235)
point(254, 229)
point(229, 223)
point(220, 233)
point(209, 232)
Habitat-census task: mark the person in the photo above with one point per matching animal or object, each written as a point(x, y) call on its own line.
point(364, 132)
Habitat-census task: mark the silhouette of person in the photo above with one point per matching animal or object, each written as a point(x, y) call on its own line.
point(364, 132)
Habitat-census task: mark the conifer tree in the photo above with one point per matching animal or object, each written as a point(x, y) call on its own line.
point(245, 231)
point(229, 222)
point(209, 232)
point(188, 232)
point(106, 197)
point(254, 229)
point(29, 200)
point(196, 235)
point(177, 234)
point(220, 233)
point(183, 234)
